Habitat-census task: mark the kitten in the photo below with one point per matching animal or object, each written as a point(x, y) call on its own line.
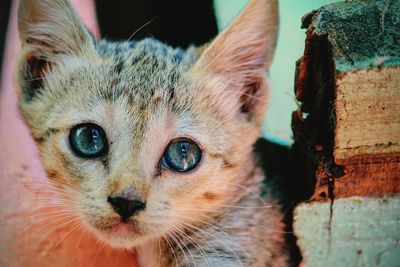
point(153, 143)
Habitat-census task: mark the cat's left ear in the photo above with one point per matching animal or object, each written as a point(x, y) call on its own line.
point(48, 29)
point(52, 26)
point(242, 53)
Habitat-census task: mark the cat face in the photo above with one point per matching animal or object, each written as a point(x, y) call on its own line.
point(142, 139)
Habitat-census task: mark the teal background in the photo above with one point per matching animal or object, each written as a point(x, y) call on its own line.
point(289, 48)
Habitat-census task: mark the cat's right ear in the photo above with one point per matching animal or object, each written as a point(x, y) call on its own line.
point(48, 29)
point(239, 58)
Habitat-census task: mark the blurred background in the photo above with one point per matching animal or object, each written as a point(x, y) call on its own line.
point(181, 23)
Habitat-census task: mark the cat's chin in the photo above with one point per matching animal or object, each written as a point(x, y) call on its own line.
point(119, 235)
point(122, 237)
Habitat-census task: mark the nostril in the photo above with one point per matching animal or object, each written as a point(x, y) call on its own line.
point(126, 208)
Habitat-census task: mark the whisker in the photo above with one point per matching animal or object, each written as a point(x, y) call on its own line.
point(248, 190)
point(51, 231)
point(140, 28)
point(173, 252)
point(159, 252)
point(98, 251)
point(234, 242)
point(77, 226)
point(50, 223)
point(174, 237)
point(248, 95)
point(63, 215)
point(241, 207)
point(251, 222)
point(198, 247)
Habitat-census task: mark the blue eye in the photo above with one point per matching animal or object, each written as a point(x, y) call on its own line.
point(88, 140)
point(182, 155)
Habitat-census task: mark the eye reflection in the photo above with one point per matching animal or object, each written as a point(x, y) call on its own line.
point(182, 155)
point(88, 140)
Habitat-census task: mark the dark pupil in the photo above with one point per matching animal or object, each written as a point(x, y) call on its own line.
point(182, 155)
point(88, 140)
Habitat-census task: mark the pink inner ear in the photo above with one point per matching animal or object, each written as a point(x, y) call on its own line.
point(35, 69)
point(242, 52)
point(239, 58)
point(241, 65)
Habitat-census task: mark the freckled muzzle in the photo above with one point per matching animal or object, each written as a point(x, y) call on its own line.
point(126, 208)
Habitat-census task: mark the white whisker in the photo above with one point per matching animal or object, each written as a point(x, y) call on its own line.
point(140, 28)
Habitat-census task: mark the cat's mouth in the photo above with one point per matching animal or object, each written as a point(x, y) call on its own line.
point(122, 227)
point(121, 234)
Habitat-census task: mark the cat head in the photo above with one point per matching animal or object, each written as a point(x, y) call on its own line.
point(141, 138)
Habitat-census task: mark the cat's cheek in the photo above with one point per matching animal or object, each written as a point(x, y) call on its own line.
point(158, 217)
point(54, 164)
point(208, 185)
